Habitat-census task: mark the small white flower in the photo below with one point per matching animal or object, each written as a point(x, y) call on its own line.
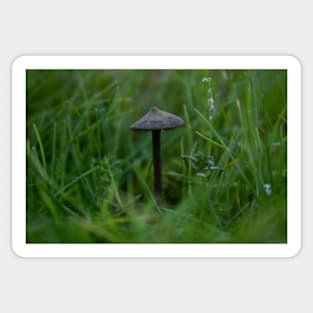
point(211, 103)
point(268, 189)
point(200, 175)
point(206, 79)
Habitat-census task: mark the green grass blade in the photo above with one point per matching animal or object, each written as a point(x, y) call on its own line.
point(42, 151)
point(223, 144)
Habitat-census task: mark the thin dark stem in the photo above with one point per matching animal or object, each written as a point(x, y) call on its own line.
point(156, 141)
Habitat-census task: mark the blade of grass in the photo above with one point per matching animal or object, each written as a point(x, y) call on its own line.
point(188, 127)
point(209, 140)
point(217, 135)
point(75, 180)
point(147, 189)
point(42, 152)
point(114, 185)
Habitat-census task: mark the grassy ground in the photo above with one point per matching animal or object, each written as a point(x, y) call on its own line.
point(90, 179)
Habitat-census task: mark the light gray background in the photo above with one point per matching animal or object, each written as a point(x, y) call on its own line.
point(160, 27)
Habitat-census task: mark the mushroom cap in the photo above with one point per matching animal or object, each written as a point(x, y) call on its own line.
point(156, 119)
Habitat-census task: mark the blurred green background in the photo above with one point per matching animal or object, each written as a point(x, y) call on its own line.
point(90, 178)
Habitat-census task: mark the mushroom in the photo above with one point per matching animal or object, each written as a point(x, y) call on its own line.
point(156, 120)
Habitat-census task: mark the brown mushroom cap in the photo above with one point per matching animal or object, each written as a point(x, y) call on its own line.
point(156, 119)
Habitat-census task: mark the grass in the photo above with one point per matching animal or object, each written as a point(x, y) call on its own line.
point(90, 179)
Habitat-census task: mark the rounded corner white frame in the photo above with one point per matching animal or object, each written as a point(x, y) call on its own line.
point(294, 203)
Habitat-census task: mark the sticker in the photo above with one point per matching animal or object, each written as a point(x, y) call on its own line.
point(156, 156)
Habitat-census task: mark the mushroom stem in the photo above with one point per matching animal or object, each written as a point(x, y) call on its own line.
point(156, 141)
